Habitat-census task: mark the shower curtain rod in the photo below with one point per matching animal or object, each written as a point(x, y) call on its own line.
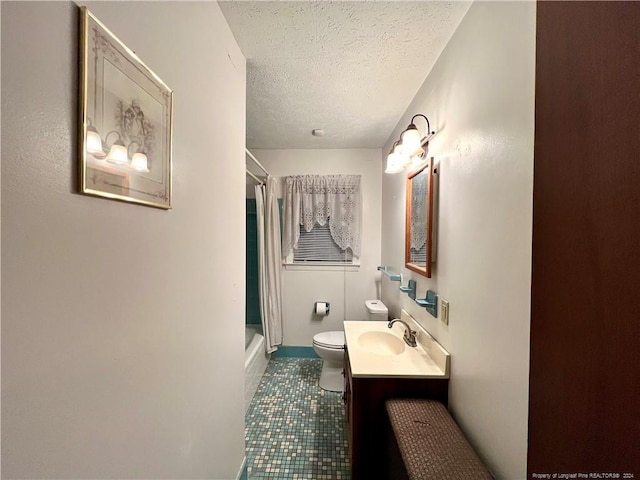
point(250, 155)
point(255, 178)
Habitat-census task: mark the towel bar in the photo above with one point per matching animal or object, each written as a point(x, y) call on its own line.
point(394, 277)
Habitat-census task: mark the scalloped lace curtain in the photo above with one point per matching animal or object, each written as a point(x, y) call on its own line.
point(318, 199)
point(418, 211)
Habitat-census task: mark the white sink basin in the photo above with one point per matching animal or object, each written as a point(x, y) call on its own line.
point(384, 343)
point(375, 351)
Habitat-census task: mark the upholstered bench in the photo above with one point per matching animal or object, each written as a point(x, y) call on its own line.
point(426, 444)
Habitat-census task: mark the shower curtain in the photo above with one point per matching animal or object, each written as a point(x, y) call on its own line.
point(269, 264)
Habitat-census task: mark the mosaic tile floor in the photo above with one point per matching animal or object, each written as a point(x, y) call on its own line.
point(294, 429)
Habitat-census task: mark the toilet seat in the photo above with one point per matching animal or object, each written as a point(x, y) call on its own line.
point(333, 340)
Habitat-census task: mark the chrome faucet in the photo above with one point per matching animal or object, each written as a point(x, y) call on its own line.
point(409, 335)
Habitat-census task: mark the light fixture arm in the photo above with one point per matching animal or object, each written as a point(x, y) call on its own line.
point(410, 147)
point(429, 132)
point(106, 137)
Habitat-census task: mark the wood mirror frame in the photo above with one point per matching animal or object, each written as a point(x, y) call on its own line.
point(425, 172)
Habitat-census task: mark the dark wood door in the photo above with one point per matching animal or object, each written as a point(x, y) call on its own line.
point(585, 321)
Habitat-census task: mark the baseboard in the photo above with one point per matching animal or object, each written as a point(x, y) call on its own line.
point(290, 351)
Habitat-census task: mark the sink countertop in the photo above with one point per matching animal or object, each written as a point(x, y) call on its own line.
point(427, 360)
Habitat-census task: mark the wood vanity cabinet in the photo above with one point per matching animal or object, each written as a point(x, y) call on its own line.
point(365, 414)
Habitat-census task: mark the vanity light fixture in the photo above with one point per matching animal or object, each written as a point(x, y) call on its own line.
point(410, 149)
point(119, 153)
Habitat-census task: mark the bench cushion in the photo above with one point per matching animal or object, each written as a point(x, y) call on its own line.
point(431, 443)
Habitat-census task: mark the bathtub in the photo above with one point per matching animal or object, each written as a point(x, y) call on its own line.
point(255, 362)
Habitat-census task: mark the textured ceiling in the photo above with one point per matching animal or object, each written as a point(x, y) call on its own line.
point(349, 68)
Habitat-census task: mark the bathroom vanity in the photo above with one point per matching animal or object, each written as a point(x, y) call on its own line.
point(378, 366)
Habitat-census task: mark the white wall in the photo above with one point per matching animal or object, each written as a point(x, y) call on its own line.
point(479, 98)
point(345, 290)
point(120, 354)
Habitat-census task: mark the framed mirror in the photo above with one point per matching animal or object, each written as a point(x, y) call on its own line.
point(419, 220)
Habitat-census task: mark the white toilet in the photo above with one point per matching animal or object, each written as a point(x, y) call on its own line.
point(330, 347)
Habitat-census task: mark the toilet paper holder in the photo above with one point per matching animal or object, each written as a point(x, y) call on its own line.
point(317, 308)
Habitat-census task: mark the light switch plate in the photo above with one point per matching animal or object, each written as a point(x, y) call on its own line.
point(444, 310)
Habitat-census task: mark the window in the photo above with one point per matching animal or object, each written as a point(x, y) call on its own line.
point(322, 219)
point(318, 246)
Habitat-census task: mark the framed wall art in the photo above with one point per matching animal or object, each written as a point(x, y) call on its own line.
point(125, 121)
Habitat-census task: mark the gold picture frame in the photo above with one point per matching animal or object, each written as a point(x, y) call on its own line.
point(126, 116)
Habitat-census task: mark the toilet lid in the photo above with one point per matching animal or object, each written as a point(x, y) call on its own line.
point(329, 339)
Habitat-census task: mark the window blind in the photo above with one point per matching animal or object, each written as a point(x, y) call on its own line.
point(318, 246)
point(419, 257)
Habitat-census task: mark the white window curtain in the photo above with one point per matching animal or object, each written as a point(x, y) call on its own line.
point(318, 199)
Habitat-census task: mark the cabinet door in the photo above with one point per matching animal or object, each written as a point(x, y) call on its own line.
point(348, 403)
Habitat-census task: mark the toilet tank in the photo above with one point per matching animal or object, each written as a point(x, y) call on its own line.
point(376, 310)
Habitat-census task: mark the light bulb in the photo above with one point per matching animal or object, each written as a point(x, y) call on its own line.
point(411, 141)
point(139, 162)
point(118, 153)
point(94, 143)
point(394, 164)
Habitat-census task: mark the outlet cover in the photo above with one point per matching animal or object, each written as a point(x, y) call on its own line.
point(444, 307)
